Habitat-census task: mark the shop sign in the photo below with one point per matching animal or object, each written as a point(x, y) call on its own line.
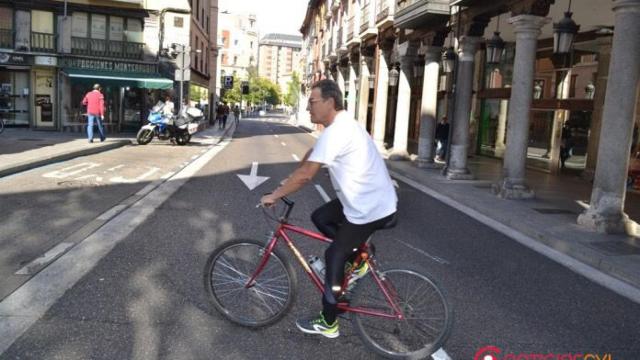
point(46, 60)
point(15, 59)
point(107, 65)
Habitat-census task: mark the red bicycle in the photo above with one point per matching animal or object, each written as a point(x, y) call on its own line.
point(398, 313)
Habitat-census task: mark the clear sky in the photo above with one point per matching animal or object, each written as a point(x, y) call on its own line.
point(273, 16)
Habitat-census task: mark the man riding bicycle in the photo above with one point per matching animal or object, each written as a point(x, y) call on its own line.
point(366, 198)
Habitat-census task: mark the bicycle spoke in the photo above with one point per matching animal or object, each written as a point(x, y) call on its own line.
point(268, 295)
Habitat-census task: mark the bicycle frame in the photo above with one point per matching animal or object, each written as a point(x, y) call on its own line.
point(281, 234)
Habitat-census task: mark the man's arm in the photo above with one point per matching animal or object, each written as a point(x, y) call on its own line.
point(101, 101)
point(302, 175)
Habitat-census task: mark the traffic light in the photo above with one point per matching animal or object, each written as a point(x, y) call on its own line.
point(245, 88)
point(173, 51)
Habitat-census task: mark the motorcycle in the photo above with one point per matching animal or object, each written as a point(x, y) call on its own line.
point(169, 127)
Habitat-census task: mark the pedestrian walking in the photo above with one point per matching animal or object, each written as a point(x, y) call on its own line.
point(225, 114)
point(236, 113)
point(442, 138)
point(94, 101)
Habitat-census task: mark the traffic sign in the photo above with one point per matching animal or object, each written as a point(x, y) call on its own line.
point(187, 75)
point(228, 82)
point(183, 61)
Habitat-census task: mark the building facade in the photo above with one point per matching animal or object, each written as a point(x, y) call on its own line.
point(279, 58)
point(534, 83)
point(52, 52)
point(238, 44)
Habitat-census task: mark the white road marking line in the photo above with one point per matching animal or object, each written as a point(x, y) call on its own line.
point(98, 178)
point(432, 257)
point(440, 355)
point(194, 156)
point(283, 143)
point(27, 304)
point(276, 135)
point(167, 175)
point(323, 193)
point(295, 157)
point(111, 212)
point(115, 168)
point(120, 179)
point(44, 259)
point(616, 285)
point(63, 173)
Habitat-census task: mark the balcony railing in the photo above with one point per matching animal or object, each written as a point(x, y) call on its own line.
point(6, 38)
point(415, 13)
point(43, 42)
point(106, 48)
point(364, 18)
point(384, 8)
point(340, 40)
point(350, 27)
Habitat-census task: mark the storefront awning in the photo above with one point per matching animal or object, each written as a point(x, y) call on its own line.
point(134, 80)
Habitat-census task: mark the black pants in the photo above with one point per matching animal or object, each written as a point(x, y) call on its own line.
point(347, 237)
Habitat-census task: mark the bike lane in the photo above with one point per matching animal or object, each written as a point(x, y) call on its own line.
point(146, 298)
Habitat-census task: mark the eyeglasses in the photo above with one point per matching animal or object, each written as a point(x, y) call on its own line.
point(313, 101)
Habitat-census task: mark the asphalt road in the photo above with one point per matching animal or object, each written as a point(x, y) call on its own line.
point(145, 299)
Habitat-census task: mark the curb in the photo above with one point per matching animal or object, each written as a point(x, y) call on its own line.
point(28, 165)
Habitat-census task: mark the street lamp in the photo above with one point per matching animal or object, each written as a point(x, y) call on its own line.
point(372, 81)
point(495, 46)
point(394, 75)
point(563, 33)
point(589, 91)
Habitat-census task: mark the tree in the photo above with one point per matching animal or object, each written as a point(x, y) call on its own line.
point(293, 91)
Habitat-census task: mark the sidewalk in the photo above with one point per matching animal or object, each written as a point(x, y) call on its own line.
point(548, 220)
point(24, 149)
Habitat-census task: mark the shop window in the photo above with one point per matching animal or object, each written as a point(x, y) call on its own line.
point(14, 97)
point(6, 28)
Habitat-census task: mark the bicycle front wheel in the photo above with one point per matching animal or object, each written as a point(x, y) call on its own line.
point(427, 315)
point(227, 272)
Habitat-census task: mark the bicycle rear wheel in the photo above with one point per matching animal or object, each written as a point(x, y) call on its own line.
point(427, 315)
point(229, 268)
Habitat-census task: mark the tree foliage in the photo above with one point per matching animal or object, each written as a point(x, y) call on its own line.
point(260, 90)
point(293, 91)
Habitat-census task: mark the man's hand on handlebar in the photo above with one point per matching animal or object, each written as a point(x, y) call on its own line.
point(268, 200)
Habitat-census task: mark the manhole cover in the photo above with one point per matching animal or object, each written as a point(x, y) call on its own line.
point(555, 211)
point(616, 247)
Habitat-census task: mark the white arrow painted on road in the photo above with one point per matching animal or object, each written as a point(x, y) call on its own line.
point(253, 180)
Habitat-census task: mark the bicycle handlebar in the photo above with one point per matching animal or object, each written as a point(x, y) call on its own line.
point(288, 207)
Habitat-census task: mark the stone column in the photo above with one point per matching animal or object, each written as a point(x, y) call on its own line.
point(512, 185)
point(363, 101)
point(604, 56)
point(340, 78)
point(459, 148)
point(351, 98)
point(382, 91)
point(606, 210)
point(429, 105)
point(407, 52)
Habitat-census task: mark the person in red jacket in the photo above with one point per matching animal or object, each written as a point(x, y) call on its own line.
point(94, 101)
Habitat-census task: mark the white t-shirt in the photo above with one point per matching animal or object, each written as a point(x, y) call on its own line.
point(356, 167)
